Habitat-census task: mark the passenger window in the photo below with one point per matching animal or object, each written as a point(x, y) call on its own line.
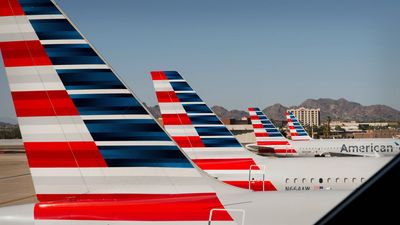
point(329, 180)
point(312, 180)
point(362, 179)
point(338, 180)
point(345, 180)
point(287, 180)
point(304, 180)
point(321, 180)
point(354, 180)
point(295, 180)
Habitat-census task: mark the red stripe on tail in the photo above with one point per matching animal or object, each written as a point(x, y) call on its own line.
point(167, 96)
point(189, 141)
point(176, 119)
point(63, 154)
point(11, 8)
point(261, 134)
point(158, 75)
point(24, 53)
point(43, 103)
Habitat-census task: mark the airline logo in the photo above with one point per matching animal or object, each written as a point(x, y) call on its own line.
point(94, 152)
point(297, 131)
point(199, 132)
point(267, 135)
point(367, 148)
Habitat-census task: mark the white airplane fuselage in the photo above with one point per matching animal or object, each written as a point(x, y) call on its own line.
point(357, 147)
point(258, 209)
point(376, 147)
point(309, 174)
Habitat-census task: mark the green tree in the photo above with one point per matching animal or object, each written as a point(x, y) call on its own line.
point(363, 127)
point(339, 128)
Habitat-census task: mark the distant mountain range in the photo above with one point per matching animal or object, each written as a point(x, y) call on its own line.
point(346, 110)
point(340, 109)
point(232, 114)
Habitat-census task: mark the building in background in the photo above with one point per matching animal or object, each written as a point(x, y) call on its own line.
point(308, 117)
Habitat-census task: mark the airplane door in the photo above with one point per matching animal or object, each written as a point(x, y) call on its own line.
point(257, 178)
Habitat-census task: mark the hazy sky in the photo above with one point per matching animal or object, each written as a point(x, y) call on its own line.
point(248, 53)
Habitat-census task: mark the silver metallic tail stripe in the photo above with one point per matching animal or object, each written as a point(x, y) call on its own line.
point(33, 78)
point(115, 117)
point(84, 66)
point(53, 129)
point(69, 41)
point(181, 130)
point(162, 85)
point(223, 154)
point(208, 125)
point(192, 103)
point(100, 91)
point(172, 108)
point(16, 28)
point(45, 17)
point(184, 92)
point(180, 80)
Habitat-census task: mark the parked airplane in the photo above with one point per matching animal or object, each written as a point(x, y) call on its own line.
point(96, 155)
point(213, 148)
point(269, 140)
point(303, 145)
point(297, 131)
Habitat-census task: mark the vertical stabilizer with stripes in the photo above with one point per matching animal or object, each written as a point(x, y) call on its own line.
point(199, 132)
point(297, 131)
point(267, 135)
point(94, 151)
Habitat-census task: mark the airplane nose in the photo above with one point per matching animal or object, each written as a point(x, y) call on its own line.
point(17, 215)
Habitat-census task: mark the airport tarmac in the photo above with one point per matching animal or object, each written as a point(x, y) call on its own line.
point(16, 185)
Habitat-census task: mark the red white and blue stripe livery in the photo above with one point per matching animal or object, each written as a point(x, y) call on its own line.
point(268, 137)
point(297, 131)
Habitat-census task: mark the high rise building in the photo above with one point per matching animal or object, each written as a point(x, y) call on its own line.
point(310, 117)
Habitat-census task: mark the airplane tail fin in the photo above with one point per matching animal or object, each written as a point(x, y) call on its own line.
point(190, 122)
point(90, 144)
point(267, 134)
point(297, 131)
point(200, 133)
